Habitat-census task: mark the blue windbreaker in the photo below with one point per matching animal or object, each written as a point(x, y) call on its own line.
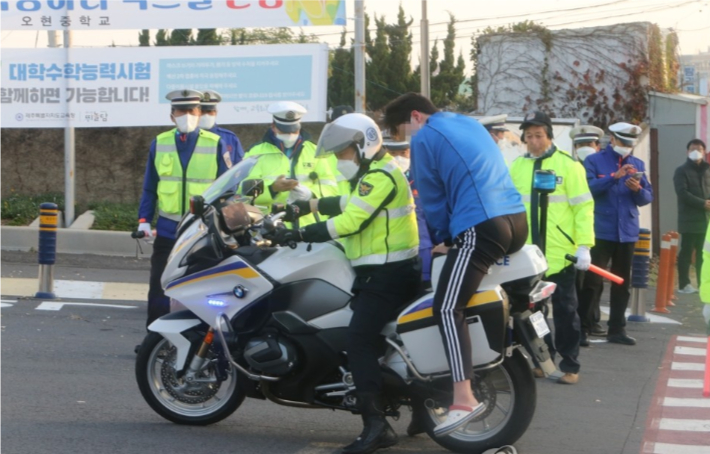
point(232, 145)
point(616, 214)
point(460, 175)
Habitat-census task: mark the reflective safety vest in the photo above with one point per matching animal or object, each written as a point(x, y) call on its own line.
point(570, 214)
point(378, 223)
point(315, 174)
point(705, 270)
point(176, 186)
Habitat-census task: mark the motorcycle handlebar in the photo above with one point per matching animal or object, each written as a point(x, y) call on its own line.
point(598, 271)
point(138, 234)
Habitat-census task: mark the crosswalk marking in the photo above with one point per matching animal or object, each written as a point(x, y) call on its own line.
point(669, 448)
point(699, 367)
point(686, 425)
point(55, 306)
point(684, 402)
point(692, 351)
point(6, 302)
point(701, 340)
point(685, 383)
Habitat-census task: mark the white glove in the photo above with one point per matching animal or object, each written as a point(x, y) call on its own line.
point(145, 227)
point(584, 259)
point(299, 193)
point(706, 313)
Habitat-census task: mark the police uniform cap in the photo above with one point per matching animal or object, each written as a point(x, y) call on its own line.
point(186, 98)
point(210, 99)
point(393, 145)
point(586, 133)
point(626, 132)
point(287, 115)
point(339, 111)
point(495, 122)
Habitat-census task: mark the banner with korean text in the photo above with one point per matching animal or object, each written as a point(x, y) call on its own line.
point(170, 14)
point(127, 86)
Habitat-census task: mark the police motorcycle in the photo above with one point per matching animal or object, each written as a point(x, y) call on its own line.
point(270, 322)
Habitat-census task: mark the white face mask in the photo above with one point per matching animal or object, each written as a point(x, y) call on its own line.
point(402, 162)
point(208, 121)
point(288, 139)
point(623, 151)
point(348, 168)
point(695, 155)
point(583, 152)
point(186, 123)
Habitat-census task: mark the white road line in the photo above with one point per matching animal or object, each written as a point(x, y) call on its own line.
point(78, 289)
point(688, 366)
point(682, 402)
point(689, 351)
point(7, 303)
point(55, 306)
point(685, 383)
point(668, 448)
point(686, 425)
point(701, 340)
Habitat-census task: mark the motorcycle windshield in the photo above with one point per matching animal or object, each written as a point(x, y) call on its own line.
point(231, 180)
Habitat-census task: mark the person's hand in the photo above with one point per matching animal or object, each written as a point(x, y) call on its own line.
point(440, 249)
point(300, 192)
point(633, 184)
point(145, 227)
point(707, 205)
point(283, 184)
point(624, 170)
point(297, 209)
point(584, 258)
point(286, 236)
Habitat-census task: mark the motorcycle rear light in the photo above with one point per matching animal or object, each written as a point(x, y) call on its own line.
point(216, 303)
point(542, 290)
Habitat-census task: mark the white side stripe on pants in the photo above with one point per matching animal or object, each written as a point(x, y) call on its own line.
point(449, 305)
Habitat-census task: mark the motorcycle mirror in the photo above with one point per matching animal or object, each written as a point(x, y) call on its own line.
point(253, 188)
point(197, 205)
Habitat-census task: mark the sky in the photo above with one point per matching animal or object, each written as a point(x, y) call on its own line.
point(689, 18)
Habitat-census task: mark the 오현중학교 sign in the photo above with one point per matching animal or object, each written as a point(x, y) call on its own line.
point(172, 14)
point(113, 86)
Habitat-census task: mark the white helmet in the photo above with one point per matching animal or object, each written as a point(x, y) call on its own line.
point(351, 129)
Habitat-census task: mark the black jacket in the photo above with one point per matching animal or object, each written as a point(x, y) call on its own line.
point(692, 185)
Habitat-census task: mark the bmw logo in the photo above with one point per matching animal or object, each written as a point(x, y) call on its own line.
point(240, 291)
point(371, 134)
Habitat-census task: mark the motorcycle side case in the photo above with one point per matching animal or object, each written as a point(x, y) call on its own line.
point(536, 347)
point(486, 315)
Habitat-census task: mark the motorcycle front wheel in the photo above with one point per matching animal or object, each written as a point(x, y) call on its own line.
point(204, 400)
point(510, 395)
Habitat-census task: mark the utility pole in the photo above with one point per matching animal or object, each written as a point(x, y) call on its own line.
point(69, 152)
point(359, 50)
point(424, 59)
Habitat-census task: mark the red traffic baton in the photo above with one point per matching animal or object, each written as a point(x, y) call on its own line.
point(599, 271)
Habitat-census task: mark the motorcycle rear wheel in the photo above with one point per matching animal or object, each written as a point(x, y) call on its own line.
point(166, 393)
point(510, 394)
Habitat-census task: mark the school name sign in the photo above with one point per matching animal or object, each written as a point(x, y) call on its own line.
point(168, 14)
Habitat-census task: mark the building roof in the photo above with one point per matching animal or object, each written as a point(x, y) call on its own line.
point(684, 97)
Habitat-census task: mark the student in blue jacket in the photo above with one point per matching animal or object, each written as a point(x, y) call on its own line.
point(618, 183)
point(469, 201)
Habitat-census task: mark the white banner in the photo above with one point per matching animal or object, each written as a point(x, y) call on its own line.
point(169, 14)
point(42, 88)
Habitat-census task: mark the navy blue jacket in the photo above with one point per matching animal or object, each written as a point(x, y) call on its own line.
point(616, 214)
point(460, 175)
point(149, 200)
point(231, 143)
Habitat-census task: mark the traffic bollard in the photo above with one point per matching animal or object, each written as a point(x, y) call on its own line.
point(670, 289)
point(639, 277)
point(662, 280)
point(48, 219)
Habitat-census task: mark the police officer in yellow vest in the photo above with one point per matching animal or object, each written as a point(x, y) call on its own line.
point(182, 162)
point(378, 228)
point(343, 183)
point(287, 162)
point(570, 230)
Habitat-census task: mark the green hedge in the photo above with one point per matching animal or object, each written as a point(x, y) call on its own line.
point(23, 209)
point(115, 216)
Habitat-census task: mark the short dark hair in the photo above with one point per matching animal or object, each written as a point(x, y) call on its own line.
point(696, 142)
point(400, 110)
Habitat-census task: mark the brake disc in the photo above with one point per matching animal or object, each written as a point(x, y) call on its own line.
point(189, 393)
point(485, 391)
